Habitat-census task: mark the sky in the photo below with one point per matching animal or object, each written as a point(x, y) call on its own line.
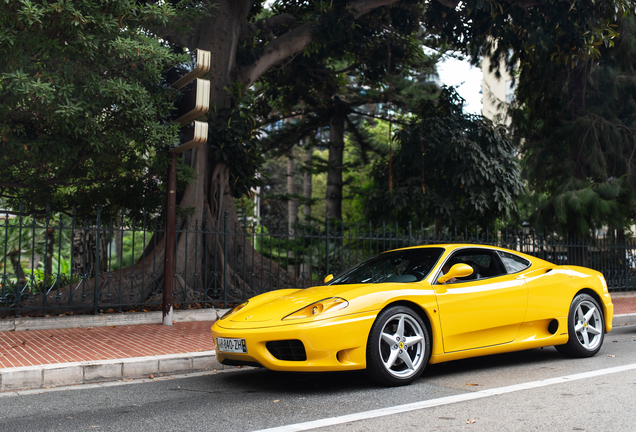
point(465, 78)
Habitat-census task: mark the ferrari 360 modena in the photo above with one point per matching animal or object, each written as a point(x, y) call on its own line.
point(397, 312)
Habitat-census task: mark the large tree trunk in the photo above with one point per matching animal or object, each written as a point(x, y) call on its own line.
point(334, 170)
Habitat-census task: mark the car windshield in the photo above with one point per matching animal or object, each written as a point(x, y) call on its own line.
point(410, 265)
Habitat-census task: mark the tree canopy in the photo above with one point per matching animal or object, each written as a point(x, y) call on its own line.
point(578, 130)
point(82, 106)
point(450, 166)
point(116, 50)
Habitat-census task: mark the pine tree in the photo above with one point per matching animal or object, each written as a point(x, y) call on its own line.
point(577, 127)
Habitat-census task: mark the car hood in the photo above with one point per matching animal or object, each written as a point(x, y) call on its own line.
point(270, 308)
point(290, 302)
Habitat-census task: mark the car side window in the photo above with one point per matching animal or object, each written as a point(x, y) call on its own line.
point(514, 263)
point(485, 263)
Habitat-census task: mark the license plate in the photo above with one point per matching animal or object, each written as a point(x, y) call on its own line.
point(231, 345)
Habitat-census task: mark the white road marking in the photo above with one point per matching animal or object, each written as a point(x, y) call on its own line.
point(444, 400)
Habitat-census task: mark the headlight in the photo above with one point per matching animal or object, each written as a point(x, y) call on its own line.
point(323, 306)
point(233, 310)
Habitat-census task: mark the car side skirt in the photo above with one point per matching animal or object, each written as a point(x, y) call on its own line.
point(531, 335)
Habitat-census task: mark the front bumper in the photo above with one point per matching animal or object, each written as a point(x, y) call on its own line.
point(332, 344)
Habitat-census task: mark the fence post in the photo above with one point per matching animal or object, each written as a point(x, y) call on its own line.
point(225, 260)
point(410, 229)
point(97, 231)
point(3, 290)
point(327, 245)
point(168, 271)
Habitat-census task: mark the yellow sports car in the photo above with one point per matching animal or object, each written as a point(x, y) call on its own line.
point(400, 310)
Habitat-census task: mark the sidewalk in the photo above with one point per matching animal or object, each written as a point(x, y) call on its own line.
point(120, 350)
point(70, 356)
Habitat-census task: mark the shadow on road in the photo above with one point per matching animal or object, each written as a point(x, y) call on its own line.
point(257, 380)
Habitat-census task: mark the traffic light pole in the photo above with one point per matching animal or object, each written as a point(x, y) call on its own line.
point(194, 103)
point(171, 220)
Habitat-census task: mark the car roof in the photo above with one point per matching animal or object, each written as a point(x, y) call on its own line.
point(454, 246)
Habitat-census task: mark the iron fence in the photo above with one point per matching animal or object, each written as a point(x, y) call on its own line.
point(57, 264)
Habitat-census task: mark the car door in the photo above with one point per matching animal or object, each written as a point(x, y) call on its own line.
point(484, 309)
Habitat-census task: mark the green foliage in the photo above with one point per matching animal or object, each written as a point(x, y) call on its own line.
point(569, 32)
point(353, 70)
point(130, 251)
point(81, 100)
point(35, 281)
point(26, 236)
point(234, 140)
point(309, 246)
point(357, 177)
point(577, 128)
point(450, 167)
point(82, 107)
point(39, 279)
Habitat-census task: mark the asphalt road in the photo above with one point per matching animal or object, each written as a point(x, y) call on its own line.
point(255, 399)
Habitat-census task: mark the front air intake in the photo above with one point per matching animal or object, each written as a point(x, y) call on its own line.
point(288, 350)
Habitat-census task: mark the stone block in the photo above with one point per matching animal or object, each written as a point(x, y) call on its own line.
point(140, 368)
point(208, 362)
point(103, 371)
point(174, 365)
point(7, 324)
point(20, 378)
point(61, 374)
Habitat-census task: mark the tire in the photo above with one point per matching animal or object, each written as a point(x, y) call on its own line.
point(394, 362)
point(586, 328)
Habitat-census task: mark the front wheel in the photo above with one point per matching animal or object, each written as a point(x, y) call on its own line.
point(586, 328)
point(398, 347)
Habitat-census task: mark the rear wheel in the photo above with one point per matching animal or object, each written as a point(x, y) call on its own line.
point(586, 328)
point(398, 347)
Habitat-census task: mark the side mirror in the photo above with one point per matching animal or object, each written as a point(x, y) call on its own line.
point(456, 271)
point(328, 278)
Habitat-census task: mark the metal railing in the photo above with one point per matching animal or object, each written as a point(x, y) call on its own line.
point(56, 264)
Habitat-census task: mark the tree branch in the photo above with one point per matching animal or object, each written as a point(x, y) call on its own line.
point(292, 42)
point(362, 7)
point(270, 120)
point(267, 25)
point(360, 139)
point(450, 3)
point(336, 72)
point(378, 117)
point(524, 4)
point(13, 185)
point(296, 40)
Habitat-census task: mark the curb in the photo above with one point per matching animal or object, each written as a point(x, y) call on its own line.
point(115, 319)
point(87, 372)
point(624, 320)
